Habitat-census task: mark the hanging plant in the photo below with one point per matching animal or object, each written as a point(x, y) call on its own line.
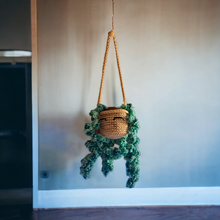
point(113, 132)
point(99, 145)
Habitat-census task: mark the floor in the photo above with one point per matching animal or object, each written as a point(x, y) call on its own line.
point(15, 204)
point(25, 212)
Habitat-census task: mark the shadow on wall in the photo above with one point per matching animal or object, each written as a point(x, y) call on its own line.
point(62, 144)
point(62, 139)
point(67, 81)
point(62, 148)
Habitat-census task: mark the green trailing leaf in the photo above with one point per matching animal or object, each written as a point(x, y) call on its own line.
point(101, 107)
point(96, 124)
point(87, 164)
point(123, 106)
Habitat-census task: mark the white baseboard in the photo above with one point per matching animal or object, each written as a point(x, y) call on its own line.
point(81, 198)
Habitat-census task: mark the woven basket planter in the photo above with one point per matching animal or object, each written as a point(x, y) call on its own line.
point(113, 123)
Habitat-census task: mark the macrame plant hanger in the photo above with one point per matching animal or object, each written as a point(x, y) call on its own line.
point(110, 127)
point(111, 34)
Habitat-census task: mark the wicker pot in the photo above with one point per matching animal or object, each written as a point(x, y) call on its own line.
point(113, 123)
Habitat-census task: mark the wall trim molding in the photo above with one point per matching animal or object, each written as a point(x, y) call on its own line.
point(34, 101)
point(122, 197)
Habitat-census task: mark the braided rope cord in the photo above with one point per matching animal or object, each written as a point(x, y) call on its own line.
point(111, 34)
point(119, 70)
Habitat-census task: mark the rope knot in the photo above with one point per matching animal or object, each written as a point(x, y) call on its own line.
point(111, 33)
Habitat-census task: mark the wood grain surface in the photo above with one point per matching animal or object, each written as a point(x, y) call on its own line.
point(134, 213)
